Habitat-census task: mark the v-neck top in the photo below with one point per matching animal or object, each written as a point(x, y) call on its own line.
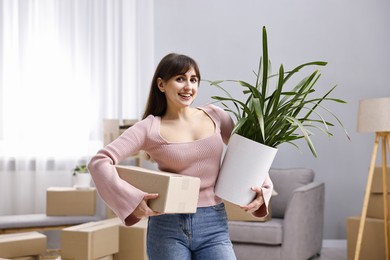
point(200, 158)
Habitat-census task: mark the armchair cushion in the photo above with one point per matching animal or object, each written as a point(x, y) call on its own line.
point(269, 232)
point(285, 182)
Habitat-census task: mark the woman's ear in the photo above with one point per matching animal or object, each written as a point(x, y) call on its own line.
point(160, 84)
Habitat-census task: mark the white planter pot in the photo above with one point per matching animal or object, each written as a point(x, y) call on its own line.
point(82, 180)
point(246, 164)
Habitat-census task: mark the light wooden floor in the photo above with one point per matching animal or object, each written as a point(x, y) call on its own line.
point(332, 254)
point(333, 250)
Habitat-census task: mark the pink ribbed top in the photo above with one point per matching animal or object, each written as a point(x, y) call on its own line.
point(200, 158)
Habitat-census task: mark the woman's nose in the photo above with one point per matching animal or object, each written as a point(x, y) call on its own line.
point(188, 85)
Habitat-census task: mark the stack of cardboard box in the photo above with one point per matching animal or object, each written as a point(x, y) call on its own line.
point(110, 238)
point(106, 239)
point(90, 241)
point(373, 243)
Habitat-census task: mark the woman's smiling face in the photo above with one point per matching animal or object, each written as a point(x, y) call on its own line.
point(180, 90)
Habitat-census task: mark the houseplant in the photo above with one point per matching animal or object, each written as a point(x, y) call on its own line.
point(82, 176)
point(268, 118)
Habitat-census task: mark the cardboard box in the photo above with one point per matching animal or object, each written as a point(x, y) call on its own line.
point(377, 180)
point(373, 243)
point(375, 206)
point(177, 193)
point(22, 244)
point(91, 240)
point(132, 241)
point(68, 201)
point(235, 213)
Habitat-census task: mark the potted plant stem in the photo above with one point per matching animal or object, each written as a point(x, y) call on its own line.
point(267, 119)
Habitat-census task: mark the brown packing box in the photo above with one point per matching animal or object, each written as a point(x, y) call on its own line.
point(177, 193)
point(91, 240)
point(377, 180)
point(373, 245)
point(68, 201)
point(375, 205)
point(22, 244)
point(132, 241)
point(235, 213)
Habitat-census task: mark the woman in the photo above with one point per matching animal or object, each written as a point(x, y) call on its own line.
point(184, 140)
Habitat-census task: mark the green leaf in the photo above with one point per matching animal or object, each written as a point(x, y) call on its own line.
point(305, 134)
point(265, 65)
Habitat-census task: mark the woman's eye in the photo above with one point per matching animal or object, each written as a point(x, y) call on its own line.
point(179, 79)
point(194, 80)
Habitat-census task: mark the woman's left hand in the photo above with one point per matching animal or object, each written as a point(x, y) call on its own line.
point(256, 203)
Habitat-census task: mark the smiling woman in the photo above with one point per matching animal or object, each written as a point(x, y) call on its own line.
point(65, 66)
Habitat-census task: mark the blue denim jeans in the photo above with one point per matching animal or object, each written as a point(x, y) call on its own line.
point(202, 236)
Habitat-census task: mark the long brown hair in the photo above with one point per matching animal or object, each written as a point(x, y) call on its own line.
point(171, 65)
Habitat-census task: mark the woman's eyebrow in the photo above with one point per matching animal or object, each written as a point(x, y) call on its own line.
point(191, 76)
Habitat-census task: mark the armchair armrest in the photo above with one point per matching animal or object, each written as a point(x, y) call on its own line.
point(303, 222)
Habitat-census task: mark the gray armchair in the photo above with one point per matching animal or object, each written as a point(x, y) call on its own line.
point(296, 229)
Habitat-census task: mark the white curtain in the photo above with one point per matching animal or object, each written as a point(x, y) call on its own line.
point(65, 66)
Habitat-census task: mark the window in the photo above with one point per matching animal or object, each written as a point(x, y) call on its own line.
point(67, 65)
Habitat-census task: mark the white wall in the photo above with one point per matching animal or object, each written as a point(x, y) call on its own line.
point(224, 36)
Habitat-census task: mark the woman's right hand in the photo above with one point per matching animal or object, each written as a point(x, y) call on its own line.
point(143, 210)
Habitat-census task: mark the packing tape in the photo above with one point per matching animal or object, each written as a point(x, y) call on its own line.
point(185, 184)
